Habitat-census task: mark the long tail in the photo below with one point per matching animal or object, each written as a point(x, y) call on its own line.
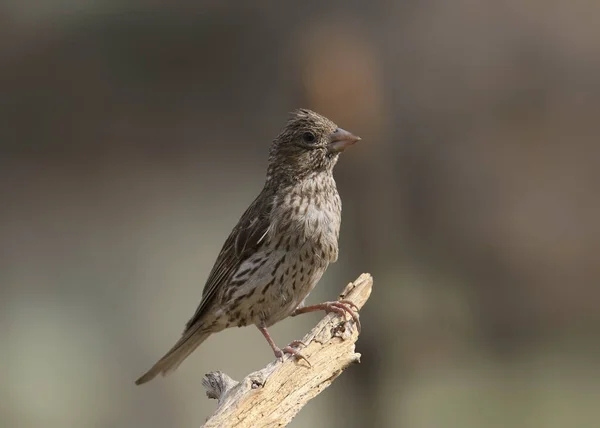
point(172, 359)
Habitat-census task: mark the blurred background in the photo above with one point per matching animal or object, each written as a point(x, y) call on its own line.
point(134, 134)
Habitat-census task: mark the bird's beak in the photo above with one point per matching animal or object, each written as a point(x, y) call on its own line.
point(340, 139)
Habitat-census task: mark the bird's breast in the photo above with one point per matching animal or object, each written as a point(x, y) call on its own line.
point(301, 241)
point(309, 217)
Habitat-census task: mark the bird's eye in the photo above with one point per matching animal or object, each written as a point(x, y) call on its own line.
point(309, 137)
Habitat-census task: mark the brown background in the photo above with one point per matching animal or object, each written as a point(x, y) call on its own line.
point(132, 137)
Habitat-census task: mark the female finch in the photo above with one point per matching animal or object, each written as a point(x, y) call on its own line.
point(280, 247)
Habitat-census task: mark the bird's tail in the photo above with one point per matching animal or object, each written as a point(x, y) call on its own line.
point(172, 359)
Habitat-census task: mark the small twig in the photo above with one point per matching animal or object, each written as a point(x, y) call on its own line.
point(272, 396)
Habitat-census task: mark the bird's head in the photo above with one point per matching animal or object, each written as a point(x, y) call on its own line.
point(309, 143)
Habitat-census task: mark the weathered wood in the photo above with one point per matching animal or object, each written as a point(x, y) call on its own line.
point(272, 396)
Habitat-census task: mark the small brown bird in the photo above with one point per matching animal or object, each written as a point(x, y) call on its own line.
point(281, 246)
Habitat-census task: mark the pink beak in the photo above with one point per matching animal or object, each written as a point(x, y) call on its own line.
point(340, 139)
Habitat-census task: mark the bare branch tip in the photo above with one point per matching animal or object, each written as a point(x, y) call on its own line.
point(218, 384)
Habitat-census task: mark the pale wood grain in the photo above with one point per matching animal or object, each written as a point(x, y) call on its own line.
point(272, 396)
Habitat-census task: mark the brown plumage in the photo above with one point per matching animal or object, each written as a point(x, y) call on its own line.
point(281, 246)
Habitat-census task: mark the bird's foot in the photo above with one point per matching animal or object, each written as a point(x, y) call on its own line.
point(291, 350)
point(279, 353)
point(296, 343)
point(340, 307)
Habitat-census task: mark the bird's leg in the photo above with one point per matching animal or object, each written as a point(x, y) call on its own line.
point(287, 350)
point(340, 307)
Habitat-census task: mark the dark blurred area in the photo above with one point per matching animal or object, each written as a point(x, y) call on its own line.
point(133, 135)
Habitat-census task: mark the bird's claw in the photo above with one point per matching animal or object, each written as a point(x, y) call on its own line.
point(296, 343)
point(340, 307)
point(350, 303)
point(279, 353)
point(343, 307)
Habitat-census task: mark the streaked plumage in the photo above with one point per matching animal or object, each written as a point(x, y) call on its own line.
point(281, 245)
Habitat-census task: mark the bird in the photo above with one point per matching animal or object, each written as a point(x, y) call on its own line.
point(281, 246)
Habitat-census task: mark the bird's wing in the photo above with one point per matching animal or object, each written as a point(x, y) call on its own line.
point(244, 239)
